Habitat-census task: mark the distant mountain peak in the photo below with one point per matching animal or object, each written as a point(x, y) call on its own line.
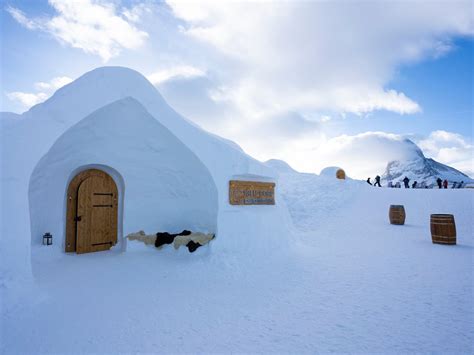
point(422, 169)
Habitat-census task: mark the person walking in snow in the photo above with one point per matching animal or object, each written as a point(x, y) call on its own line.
point(406, 180)
point(439, 182)
point(460, 184)
point(377, 181)
point(368, 181)
point(413, 186)
point(454, 185)
point(445, 184)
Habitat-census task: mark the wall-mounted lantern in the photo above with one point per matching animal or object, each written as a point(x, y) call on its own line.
point(47, 239)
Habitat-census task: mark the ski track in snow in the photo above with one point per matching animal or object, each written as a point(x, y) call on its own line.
point(352, 283)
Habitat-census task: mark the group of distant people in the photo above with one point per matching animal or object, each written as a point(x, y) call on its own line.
point(444, 184)
point(406, 182)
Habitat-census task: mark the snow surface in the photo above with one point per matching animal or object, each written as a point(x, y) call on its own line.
point(351, 282)
point(280, 166)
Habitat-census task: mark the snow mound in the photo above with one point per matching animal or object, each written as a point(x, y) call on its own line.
point(311, 198)
point(330, 172)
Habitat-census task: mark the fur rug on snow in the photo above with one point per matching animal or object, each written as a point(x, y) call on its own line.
point(148, 239)
point(198, 238)
point(191, 240)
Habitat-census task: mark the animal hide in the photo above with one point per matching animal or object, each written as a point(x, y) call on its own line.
point(191, 240)
point(193, 246)
point(142, 237)
point(200, 238)
point(167, 238)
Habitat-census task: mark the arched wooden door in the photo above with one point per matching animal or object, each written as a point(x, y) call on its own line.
point(92, 212)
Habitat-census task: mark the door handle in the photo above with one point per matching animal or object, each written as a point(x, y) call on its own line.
point(78, 218)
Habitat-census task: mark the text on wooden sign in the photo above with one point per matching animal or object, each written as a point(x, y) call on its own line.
point(251, 192)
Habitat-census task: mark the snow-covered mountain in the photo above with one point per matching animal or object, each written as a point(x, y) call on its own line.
point(421, 169)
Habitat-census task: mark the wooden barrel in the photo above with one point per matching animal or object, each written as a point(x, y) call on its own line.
point(443, 229)
point(397, 214)
point(340, 174)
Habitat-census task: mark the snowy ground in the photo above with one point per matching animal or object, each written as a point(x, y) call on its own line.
point(352, 283)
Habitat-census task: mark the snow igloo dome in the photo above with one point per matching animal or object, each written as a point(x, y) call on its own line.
point(161, 185)
point(333, 172)
point(112, 143)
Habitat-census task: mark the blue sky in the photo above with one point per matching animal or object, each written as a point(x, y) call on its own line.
point(309, 73)
point(442, 86)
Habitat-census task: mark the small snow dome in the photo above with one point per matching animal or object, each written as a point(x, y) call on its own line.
point(333, 171)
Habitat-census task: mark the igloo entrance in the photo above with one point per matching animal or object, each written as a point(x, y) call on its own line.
point(92, 212)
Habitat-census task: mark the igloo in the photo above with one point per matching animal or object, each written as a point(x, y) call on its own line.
point(165, 172)
point(119, 169)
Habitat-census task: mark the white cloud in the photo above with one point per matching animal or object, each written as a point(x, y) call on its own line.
point(135, 13)
point(176, 72)
point(451, 149)
point(336, 56)
point(27, 99)
point(45, 90)
point(20, 17)
point(96, 27)
point(54, 84)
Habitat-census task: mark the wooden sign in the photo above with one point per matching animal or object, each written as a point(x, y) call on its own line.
point(251, 193)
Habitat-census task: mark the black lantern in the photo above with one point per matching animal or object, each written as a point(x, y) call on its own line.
point(47, 239)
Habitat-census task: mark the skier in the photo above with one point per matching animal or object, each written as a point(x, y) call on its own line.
point(390, 184)
point(439, 182)
point(445, 184)
point(460, 184)
point(454, 185)
point(368, 181)
point(406, 180)
point(397, 185)
point(377, 181)
point(413, 186)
